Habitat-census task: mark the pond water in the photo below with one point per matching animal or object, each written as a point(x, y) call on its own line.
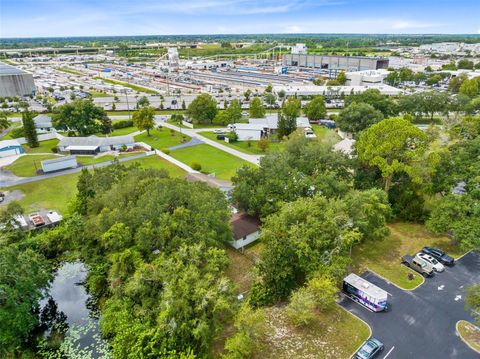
point(82, 339)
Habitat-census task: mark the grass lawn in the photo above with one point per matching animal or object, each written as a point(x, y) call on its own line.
point(242, 146)
point(25, 166)
point(120, 132)
point(55, 193)
point(325, 134)
point(384, 257)
point(469, 333)
point(212, 160)
point(239, 269)
point(98, 94)
point(8, 136)
point(51, 193)
point(334, 334)
point(45, 146)
point(91, 160)
point(161, 139)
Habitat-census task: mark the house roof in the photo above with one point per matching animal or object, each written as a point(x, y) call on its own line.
point(58, 159)
point(243, 224)
point(9, 143)
point(42, 121)
point(96, 141)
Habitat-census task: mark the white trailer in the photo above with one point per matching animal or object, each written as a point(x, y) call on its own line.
point(365, 293)
point(58, 164)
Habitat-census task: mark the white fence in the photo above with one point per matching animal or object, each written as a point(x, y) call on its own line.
point(42, 137)
point(168, 158)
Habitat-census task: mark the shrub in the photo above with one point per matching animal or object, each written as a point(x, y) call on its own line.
point(301, 309)
point(122, 124)
point(232, 137)
point(17, 132)
point(166, 151)
point(196, 166)
point(54, 149)
point(263, 144)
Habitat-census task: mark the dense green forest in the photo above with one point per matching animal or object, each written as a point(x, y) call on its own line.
point(326, 40)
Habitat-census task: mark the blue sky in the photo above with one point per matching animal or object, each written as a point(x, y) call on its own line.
point(40, 18)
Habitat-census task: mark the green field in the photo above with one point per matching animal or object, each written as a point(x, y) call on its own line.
point(98, 94)
point(213, 161)
point(56, 192)
point(161, 139)
point(244, 146)
point(119, 132)
point(45, 147)
point(383, 257)
point(126, 84)
point(26, 166)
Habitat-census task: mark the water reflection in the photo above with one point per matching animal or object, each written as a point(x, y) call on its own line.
point(66, 313)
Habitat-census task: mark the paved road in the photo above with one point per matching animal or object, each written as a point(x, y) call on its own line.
point(193, 142)
point(7, 181)
point(421, 323)
point(194, 133)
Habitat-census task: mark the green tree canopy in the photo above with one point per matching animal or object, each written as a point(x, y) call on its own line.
point(373, 97)
point(80, 116)
point(144, 119)
point(315, 110)
point(256, 109)
point(303, 169)
point(357, 117)
point(29, 129)
point(392, 145)
point(202, 109)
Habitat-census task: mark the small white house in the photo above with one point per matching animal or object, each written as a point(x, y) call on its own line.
point(10, 148)
point(58, 164)
point(245, 229)
point(43, 124)
point(93, 144)
point(262, 127)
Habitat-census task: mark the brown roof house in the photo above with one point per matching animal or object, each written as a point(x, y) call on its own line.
point(245, 228)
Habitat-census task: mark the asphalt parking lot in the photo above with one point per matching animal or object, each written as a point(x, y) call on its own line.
point(421, 323)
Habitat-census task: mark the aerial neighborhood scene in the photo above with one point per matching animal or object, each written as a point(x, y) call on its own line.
point(239, 179)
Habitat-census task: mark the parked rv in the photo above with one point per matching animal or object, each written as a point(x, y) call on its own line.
point(365, 293)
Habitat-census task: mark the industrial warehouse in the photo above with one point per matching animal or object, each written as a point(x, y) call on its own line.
point(15, 82)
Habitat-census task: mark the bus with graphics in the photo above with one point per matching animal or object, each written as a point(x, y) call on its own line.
point(365, 293)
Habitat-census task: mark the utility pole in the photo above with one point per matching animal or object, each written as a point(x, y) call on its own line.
point(128, 106)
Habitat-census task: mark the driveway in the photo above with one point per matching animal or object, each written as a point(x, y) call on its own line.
point(194, 134)
point(421, 323)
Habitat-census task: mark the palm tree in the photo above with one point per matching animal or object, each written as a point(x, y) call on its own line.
point(4, 121)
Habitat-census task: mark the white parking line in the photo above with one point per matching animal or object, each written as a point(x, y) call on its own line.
point(389, 352)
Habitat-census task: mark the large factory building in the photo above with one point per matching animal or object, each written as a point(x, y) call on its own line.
point(15, 82)
point(336, 63)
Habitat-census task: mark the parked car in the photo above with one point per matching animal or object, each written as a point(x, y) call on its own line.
point(369, 349)
point(439, 255)
point(419, 265)
point(219, 132)
point(437, 266)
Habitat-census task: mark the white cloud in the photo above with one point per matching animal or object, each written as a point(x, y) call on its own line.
point(293, 29)
point(408, 24)
point(478, 31)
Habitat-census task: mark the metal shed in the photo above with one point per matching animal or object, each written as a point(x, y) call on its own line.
point(58, 164)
